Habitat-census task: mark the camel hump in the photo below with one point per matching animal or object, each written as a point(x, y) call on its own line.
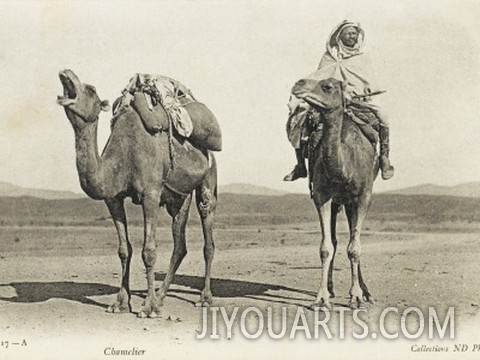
point(206, 131)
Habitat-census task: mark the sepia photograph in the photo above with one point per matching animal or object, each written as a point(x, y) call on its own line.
point(221, 179)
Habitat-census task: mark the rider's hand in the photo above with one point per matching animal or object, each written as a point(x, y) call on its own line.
point(367, 91)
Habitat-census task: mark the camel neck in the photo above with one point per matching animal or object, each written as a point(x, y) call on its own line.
point(333, 156)
point(88, 159)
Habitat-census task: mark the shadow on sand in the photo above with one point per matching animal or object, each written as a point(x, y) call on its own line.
point(33, 292)
point(228, 288)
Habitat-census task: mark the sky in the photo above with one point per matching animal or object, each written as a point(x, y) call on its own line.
point(241, 59)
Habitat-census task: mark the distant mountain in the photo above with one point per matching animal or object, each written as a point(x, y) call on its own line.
point(244, 210)
point(249, 189)
point(471, 189)
point(10, 190)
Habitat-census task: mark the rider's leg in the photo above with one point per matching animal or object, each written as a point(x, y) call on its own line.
point(300, 170)
point(384, 132)
point(296, 133)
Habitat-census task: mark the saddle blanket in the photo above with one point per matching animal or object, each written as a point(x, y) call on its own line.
point(167, 91)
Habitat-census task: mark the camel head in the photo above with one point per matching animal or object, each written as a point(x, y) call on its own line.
point(80, 101)
point(327, 95)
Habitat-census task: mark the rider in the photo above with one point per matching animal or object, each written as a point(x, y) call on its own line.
point(345, 61)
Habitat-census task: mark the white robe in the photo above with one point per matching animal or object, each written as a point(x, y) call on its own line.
point(349, 65)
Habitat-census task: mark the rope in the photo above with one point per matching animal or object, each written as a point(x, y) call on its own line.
point(171, 157)
point(171, 150)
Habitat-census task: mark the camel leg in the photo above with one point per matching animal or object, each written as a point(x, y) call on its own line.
point(366, 294)
point(117, 211)
point(150, 205)
point(179, 212)
point(326, 252)
point(356, 213)
point(333, 227)
point(206, 198)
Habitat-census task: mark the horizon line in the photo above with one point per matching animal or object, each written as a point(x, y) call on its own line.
point(285, 192)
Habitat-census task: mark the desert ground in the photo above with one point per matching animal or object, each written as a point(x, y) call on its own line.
point(56, 282)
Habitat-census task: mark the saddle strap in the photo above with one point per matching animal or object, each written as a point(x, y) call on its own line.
point(365, 127)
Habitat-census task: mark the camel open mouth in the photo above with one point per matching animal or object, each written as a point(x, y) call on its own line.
point(315, 102)
point(69, 91)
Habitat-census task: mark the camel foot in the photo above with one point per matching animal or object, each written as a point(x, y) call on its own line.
point(322, 305)
point(356, 302)
point(142, 315)
point(121, 304)
point(119, 308)
point(203, 303)
point(152, 315)
point(151, 308)
point(206, 299)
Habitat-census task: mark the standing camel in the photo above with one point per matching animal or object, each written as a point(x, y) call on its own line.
point(343, 168)
point(136, 164)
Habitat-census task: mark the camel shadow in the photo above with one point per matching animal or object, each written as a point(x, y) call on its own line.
point(33, 292)
point(227, 288)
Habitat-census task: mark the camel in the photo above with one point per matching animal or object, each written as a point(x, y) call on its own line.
point(343, 168)
point(138, 165)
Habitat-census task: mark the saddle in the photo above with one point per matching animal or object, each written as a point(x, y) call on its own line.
point(204, 131)
point(365, 119)
point(362, 116)
point(186, 117)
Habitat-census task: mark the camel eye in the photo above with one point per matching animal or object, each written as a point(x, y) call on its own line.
point(327, 87)
point(90, 89)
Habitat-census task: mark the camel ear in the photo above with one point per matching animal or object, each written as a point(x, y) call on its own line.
point(105, 106)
